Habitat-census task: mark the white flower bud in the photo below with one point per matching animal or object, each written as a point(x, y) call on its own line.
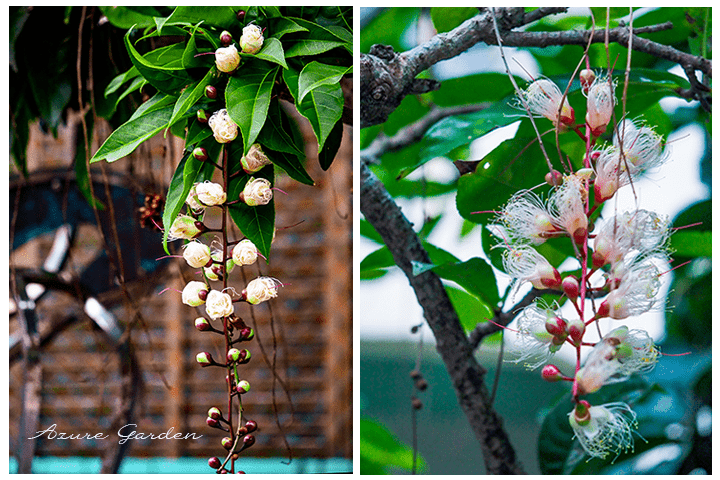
point(192, 201)
point(227, 59)
point(257, 191)
point(600, 104)
point(219, 305)
point(255, 159)
point(245, 253)
point(261, 289)
point(196, 254)
point(252, 39)
point(184, 228)
point(223, 128)
point(210, 194)
point(194, 293)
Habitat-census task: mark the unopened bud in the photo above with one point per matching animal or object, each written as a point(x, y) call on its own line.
point(200, 153)
point(416, 403)
point(247, 333)
point(555, 326)
point(202, 324)
point(212, 422)
point(215, 413)
point(554, 178)
point(214, 462)
point(421, 384)
point(248, 441)
point(233, 355)
point(204, 359)
point(243, 387)
point(571, 287)
point(202, 116)
point(241, 15)
point(415, 374)
point(551, 373)
point(582, 413)
point(587, 77)
point(576, 330)
point(227, 443)
point(225, 38)
point(251, 425)
point(211, 92)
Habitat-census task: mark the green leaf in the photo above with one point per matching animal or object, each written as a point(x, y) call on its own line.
point(688, 243)
point(446, 18)
point(469, 308)
point(275, 135)
point(164, 72)
point(247, 97)
point(460, 130)
point(322, 106)
point(222, 17)
point(272, 51)
point(256, 223)
point(128, 17)
point(316, 74)
point(279, 26)
point(118, 81)
point(380, 449)
point(331, 147)
point(189, 96)
point(291, 164)
point(475, 276)
point(316, 40)
point(126, 138)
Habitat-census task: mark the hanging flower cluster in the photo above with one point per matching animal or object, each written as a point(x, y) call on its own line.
point(619, 256)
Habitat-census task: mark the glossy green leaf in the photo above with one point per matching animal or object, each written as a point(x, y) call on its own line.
point(126, 138)
point(316, 74)
point(247, 97)
point(291, 164)
point(221, 17)
point(279, 26)
point(332, 144)
point(272, 51)
point(276, 133)
point(460, 130)
point(380, 450)
point(119, 80)
point(164, 72)
point(322, 106)
point(470, 309)
point(316, 40)
point(256, 223)
point(128, 17)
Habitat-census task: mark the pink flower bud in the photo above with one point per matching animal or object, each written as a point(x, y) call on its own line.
point(571, 287)
point(555, 326)
point(227, 443)
point(243, 387)
point(233, 355)
point(251, 425)
point(202, 324)
point(211, 92)
point(225, 38)
point(248, 441)
point(214, 462)
point(212, 422)
point(551, 373)
point(215, 413)
point(576, 330)
point(587, 77)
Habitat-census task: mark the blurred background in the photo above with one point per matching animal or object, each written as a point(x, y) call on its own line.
point(681, 189)
point(115, 352)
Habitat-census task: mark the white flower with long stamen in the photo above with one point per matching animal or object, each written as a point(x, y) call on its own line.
point(634, 290)
point(219, 305)
point(534, 344)
point(525, 219)
point(605, 429)
point(210, 194)
point(600, 104)
point(567, 206)
point(618, 355)
point(543, 97)
point(527, 265)
point(223, 128)
point(635, 150)
point(642, 233)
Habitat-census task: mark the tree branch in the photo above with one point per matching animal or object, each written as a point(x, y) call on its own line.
point(387, 77)
point(452, 344)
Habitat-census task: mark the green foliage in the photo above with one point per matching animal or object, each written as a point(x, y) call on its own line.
point(305, 53)
point(381, 453)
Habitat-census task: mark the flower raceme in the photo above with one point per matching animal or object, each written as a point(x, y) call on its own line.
point(543, 98)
